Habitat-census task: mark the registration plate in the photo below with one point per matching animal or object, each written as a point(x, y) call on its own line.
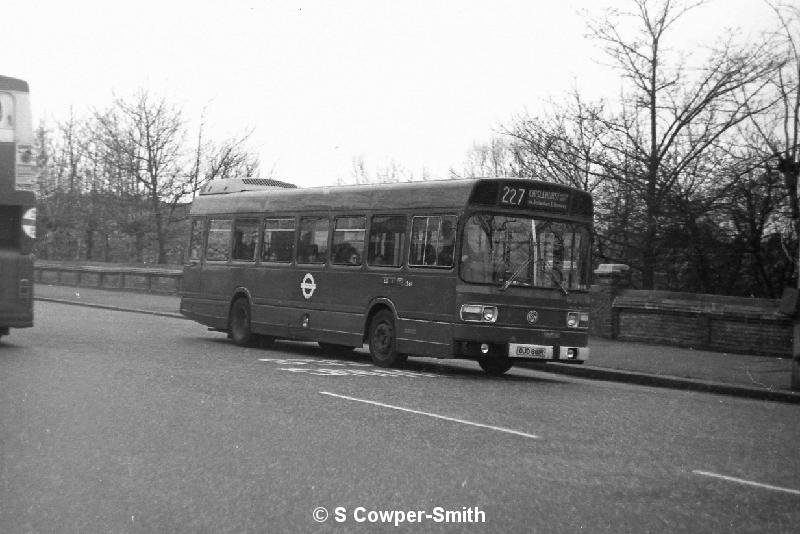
point(541, 352)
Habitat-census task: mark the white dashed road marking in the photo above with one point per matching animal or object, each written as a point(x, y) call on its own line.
point(437, 416)
point(746, 482)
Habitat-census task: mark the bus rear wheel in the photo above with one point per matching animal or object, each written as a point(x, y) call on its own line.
point(239, 323)
point(495, 366)
point(383, 341)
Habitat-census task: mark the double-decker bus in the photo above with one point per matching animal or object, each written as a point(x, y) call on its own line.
point(494, 270)
point(17, 206)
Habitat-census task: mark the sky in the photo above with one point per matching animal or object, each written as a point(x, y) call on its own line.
point(415, 83)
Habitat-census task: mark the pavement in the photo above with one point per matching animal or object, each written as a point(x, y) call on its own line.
point(742, 375)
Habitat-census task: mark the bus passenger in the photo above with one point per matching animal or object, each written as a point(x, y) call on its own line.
point(445, 256)
point(475, 263)
point(429, 256)
point(313, 255)
point(245, 246)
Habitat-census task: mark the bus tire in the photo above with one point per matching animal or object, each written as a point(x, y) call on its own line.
point(495, 366)
point(335, 348)
point(383, 341)
point(239, 323)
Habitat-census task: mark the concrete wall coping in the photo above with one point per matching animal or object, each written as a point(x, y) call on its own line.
point(700, 304)
point(611, 268)
point(112, 269)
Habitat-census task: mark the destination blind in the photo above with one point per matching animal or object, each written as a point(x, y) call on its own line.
point(533, 197)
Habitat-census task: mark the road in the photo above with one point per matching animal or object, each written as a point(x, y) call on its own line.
point(122, 422)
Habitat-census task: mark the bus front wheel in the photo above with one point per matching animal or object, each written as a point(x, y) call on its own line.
point(383, 341)
point(239, 323)
point(495, 366)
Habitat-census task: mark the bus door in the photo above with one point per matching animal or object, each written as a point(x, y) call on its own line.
point(425, 295)
point(311, 289)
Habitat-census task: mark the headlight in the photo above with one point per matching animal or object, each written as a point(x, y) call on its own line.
point(577, 320)
point(478, 313)
point(572, 320)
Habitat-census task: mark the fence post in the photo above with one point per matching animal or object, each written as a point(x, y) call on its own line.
point(795, 384)
point(790, 306)
point(610, 279)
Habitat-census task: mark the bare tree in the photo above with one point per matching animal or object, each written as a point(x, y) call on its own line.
point(148, 135)
point(671, 119)
point(122, 179)
point(564, 146)
point(774, 135)
point(230, 159)
point(492, 159)
point(359, 170)
point(227, 159)
point(393, 172)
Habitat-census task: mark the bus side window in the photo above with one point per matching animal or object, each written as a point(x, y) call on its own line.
point(245, 237)
point(196, 240)
point(348, 240)
point(432, 241)
point(312, 246)
point(219, 240)
point(387, 237)
point(278, 242)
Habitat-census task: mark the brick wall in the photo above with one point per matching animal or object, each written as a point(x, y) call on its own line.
point(711, 322)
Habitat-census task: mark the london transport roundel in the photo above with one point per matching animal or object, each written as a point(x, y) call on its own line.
point(29, 223)
point(307, 286)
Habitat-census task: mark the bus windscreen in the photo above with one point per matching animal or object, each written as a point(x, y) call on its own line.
point(503, 249)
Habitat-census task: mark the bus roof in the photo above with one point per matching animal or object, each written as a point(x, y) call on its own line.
point(445, 194)
point(13, 84)
point(430, 195)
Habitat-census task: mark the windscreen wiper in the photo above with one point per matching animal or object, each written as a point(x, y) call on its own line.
point(511, 278)
point(559, 282)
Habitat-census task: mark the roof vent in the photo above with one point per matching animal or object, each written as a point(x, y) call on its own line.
point(237, 185)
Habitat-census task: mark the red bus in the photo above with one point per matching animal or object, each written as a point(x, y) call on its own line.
point(494, 270)
point(17, 206)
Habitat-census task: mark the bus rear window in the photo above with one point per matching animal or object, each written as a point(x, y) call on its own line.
point(10, 227)
point(219, 240)
point(196, 240)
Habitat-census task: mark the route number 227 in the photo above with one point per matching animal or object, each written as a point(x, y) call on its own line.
point(513, 196)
